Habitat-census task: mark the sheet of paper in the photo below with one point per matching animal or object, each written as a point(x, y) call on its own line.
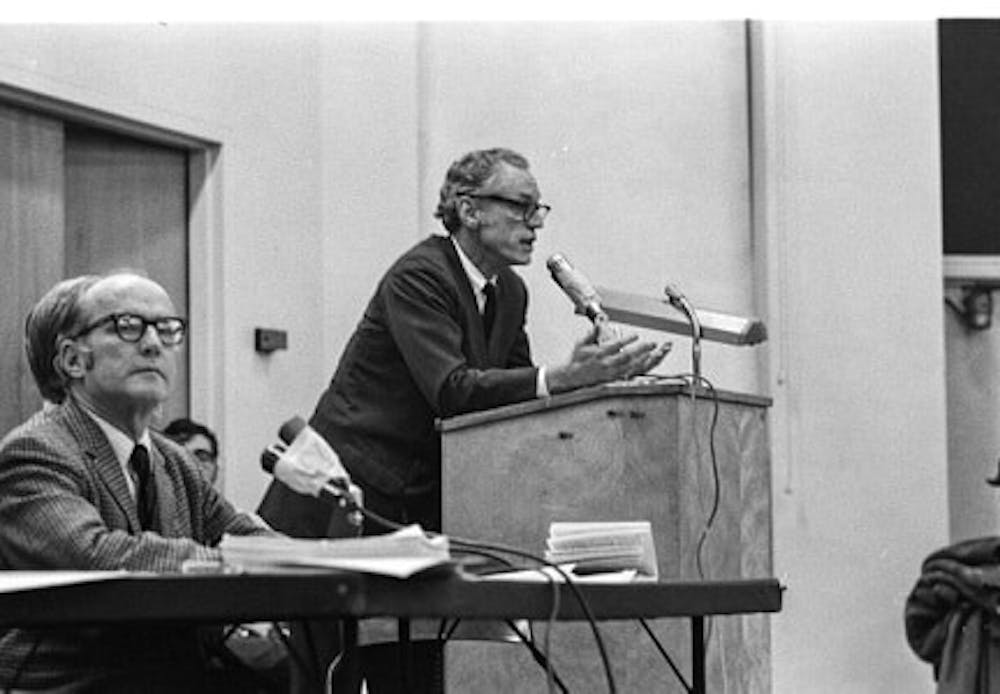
point(400, 567)
point(15, 581)
point(399, 554)
point(546, 574)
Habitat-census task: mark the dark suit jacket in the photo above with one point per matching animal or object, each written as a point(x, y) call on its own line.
point(65, 504)
point(418, 354)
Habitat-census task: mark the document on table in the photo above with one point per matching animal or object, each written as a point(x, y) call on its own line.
point(547, 573)
point(399, 554)
point(16, 581)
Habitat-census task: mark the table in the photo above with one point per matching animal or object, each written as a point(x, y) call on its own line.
point(233, 598)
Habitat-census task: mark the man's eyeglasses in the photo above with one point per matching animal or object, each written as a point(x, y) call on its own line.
point(530, 211)
point(131, 327)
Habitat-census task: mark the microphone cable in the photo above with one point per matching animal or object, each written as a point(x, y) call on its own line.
point(694, 381)
point(446, 630)
point(476, 547)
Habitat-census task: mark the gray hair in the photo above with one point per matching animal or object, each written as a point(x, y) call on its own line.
point(467, 174)
point(54, 317)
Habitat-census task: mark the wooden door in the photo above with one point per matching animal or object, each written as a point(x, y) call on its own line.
point(76, 200)
point(31, 239)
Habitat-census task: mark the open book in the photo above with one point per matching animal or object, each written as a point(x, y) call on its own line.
point(603, 546)
point(400, 554)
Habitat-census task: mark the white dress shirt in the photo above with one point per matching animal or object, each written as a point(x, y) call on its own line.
point(478, 281)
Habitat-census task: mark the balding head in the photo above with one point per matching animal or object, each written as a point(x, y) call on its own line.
point(118, 354)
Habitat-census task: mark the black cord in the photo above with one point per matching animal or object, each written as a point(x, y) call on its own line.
point(717, 492)
point(569, 582)
point(717, 486)
point(539, 656)
point(696, 381)
point(550, 675)
point(666, 656)
point(471, 545)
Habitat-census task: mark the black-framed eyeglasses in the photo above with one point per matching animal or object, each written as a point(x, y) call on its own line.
point(530, 211)
point(131, 327)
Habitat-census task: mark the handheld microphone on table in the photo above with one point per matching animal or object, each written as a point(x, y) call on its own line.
point(304, 462)
point(583, 295)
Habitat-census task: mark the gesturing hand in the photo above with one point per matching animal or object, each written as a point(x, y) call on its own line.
point(592, 363)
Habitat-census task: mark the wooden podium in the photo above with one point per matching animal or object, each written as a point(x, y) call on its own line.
point(619, 452)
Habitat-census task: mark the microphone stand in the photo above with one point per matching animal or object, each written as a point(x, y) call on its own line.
point(680, 302)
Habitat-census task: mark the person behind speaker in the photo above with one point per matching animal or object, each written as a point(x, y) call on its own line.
point(103, 350)
point(200, 441)
point(422, 350)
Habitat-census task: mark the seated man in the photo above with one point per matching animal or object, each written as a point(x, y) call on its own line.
point(86, 484)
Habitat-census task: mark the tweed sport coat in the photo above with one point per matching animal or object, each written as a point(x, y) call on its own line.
point(65, 504)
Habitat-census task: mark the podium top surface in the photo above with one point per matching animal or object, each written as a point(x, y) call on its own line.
point(606, 391)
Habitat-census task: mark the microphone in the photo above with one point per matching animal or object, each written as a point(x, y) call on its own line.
point(681, 303)
point(305, 462)
point(583, 295)
point(577, 287)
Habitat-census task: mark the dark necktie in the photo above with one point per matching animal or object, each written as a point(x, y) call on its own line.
point(145, 490)
point(489, 308)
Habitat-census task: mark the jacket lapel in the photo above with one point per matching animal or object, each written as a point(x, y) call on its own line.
point(166, 523)
point(102, 459)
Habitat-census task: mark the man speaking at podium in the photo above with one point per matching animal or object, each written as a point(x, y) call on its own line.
point(444, 335)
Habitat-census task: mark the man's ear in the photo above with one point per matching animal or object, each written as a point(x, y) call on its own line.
point(72, 358)
point(468, 214)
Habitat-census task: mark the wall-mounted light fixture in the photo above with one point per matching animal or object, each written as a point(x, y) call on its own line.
point(976, 305)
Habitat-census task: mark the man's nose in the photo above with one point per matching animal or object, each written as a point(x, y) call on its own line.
point(150, 340)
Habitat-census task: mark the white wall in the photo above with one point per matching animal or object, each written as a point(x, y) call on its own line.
point(370, 163)
point(849, 191)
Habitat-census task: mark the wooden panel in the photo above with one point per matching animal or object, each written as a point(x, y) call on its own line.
point(126, 206)
point(31, 232)
point(615, 456)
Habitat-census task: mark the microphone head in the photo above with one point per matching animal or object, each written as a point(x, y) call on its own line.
point(557, 263)
point(290, 429)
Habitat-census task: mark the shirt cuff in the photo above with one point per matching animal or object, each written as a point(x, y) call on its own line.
point(541, 387)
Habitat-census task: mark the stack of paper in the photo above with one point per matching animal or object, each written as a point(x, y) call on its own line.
point(603, 546)
point(400, 554)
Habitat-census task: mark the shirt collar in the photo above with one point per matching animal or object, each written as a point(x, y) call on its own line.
point(477, 278)
point(121, 443)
